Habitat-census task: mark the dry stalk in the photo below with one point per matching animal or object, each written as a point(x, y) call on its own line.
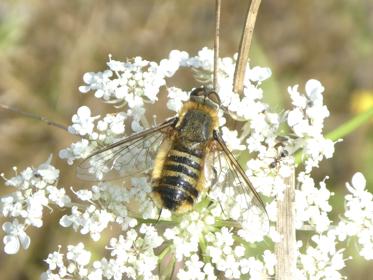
point(285, 250)
point(33, 116)
point(243, 53)
point(216, 43)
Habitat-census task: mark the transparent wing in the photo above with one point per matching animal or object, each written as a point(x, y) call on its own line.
point(235, 184)
point(128, 157)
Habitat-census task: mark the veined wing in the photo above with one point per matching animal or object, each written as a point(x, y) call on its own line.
point(231, 174)
point(127, 157)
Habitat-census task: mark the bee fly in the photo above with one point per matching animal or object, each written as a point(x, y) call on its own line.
point(179, 151)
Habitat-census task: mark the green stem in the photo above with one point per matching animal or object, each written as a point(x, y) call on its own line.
point(250, 248)
point(227, 223)
point(203, 247)
point(164, 252)
point(156, 221)
point(167, 274)
point(202, 205)
point(344, 129)
point(173, 266)
point(351, 125)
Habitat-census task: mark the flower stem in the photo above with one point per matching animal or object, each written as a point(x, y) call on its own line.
point(343, 130)
point(285, 225)
point(202, 204)
point(351, 125)
point(252, 249)
point(244, 49)
point(227, 223)
point(156, 221)
point(203, 248)
point(164, 252)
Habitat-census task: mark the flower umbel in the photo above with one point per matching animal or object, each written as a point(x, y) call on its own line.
point(224, 235)
point(34, 190)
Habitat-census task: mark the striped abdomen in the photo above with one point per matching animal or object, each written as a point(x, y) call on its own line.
point(180, 181)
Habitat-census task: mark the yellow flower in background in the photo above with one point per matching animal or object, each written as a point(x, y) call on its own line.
point(362, 100)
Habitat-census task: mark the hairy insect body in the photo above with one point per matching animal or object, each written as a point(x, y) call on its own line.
point(178, 176)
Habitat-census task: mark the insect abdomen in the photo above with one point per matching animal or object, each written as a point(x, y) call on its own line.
point(178, 186)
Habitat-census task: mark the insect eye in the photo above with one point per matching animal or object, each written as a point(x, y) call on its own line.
point(213, 96)
point(198, 92)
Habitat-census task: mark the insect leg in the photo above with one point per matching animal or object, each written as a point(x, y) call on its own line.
point(159, 215)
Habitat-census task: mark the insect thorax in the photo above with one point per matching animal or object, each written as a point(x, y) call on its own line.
point(197, 122)
point(196, 126)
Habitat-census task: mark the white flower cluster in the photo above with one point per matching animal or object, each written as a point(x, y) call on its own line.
point(94, 132)
point(221, 249)
point(312, 204)
point(132, 257)
point(230, 256)
point(91, 220)
point(185, 238)
point(307, 121)
point(77, 257)
point(358, 217)
point(221, 234)
point(130, 82)
point(134, 254)
point(321, 259)
point(34, 189)
point(109, 203)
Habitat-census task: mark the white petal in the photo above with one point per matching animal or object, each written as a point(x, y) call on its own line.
point(99, 93)
point(258, 74)
point(178, 55)
point(295, 117)
point(11, 244)
point(84, 89)
point(121, 92)
point(7, 227)
point(84, 112)
point(328, 148)
point(25, 240)
point(50, 174)
point(84, 258)
point(84, 195)
point(88, 77)
point(358, 181)
point(115, 66)
point(117, 127)
point(285, 171)
point(65, 221)
point(314, 89)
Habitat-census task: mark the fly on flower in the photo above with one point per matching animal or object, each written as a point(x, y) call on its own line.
point(181, 152)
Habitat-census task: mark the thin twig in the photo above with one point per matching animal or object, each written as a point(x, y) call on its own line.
point(243, 53)
point(216, 43)
point(33, 116)
point(286, 249)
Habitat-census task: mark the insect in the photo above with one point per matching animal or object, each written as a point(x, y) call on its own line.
point(282, 153)
point(278, 159)
point(179, 152)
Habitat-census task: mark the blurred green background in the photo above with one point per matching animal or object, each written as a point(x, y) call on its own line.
point(46, 46)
